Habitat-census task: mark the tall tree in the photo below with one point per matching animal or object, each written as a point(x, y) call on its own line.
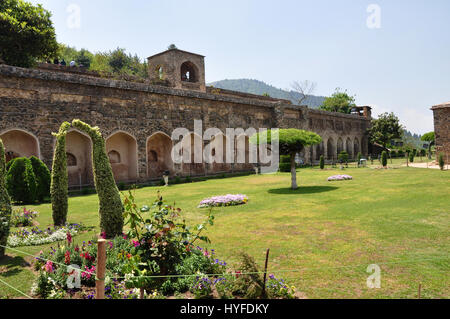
point(291, 141)
point(26, 33)
point(385, 128)
point(5, 203)
point(430, 138)
point(340, 101)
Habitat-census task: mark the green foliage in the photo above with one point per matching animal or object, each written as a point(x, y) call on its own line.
point(338, 102)
point(27, 33)
point(21, 181)
point(84, 58)
point(249, 285)
point(285, 163)
point(59, 179)
point(172, 47)
point(322, 162)
point(43, 178)
point(411, 157)
point(428, 137)
point(393, 153)
point(441, 161)
point(401, 153)
point(384, 158)
point(5, 203)
point(384, 129)
point(343, 157)
point(110, 204)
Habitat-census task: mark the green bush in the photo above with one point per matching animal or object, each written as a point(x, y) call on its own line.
point(384, 158)
point(343, 157)
point(21, 181)
point(110, 203)
point(322, 162)
point(393, 153)
point(59, 179)
point(284, 167)
point(441, 161)
point(423, 152)
point(411, 157)
point(43, 178)
point(5, 203)
point(400, 153)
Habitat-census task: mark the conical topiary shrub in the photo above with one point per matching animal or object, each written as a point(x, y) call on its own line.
point(21, 181)
point(5, 203)
point(43, 178)
point(110, 205)
point(59, 179)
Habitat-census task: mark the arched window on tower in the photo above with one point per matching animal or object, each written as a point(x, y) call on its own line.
point(188, 72)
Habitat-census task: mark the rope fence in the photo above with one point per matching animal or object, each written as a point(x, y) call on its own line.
point(101, 270)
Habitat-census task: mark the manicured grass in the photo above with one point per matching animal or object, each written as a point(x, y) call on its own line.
point(321, 237)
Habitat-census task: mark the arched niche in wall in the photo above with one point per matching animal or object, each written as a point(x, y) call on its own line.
point(79, 158)
point(159, 157)
point(19, 143)
point(122, 152)
point(189, 72)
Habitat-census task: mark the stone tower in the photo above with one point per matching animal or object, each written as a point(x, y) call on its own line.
point(179, 69)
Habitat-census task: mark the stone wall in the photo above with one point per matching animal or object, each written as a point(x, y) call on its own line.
point(441, 115)
point(137, 120)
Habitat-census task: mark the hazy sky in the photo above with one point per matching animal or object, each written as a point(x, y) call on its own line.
point(394, 56)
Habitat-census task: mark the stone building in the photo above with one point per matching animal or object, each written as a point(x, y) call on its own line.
point(441, 114)
point(137, 119)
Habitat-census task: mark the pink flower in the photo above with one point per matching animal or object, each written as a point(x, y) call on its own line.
point(136, 243)
point(49, 266)
point(103, 234)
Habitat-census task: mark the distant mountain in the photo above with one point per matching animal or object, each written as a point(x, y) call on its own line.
point(259, 87)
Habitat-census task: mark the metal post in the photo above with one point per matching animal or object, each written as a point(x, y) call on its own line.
point(265, 274)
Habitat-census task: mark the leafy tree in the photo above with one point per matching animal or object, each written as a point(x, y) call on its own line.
point(43, 178)
point(430, 138)
point(338, 102)
point(384, 158)
point(26, 33)
point(110, 203)
point(84, 58)
point(385, 128)
point(291, 141)
point(59, 178)
point(118, 59)
point(343, 157)
point(21, 181)
point(5, 203)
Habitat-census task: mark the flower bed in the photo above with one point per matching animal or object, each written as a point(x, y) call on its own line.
point(22, 217)
point(339, 178)
point(36, 236)
point(224, 200)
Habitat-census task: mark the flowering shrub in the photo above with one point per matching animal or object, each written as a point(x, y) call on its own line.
point(224, 200)
point(22, 217)
point(37, 236)
point(339, 178)
point(277, 288)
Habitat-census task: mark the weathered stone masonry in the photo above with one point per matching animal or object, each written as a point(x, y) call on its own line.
point(441, 115)
point(137, 120)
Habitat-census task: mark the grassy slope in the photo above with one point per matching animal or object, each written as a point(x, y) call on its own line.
point(326, 232)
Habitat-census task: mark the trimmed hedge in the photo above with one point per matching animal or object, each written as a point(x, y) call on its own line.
point(5, 203)
point(43, 178)
point(110, 204)
point(322, 162)
point(384, 158)
point(59, 179)
point(441, 161)
point(21, 181)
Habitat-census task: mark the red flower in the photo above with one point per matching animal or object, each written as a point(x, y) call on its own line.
point(238, 274)
point(67, 258)
point(69, 238)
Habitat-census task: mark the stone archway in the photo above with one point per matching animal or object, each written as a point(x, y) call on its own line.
point(331, 153)
point(159, 157)
point(349, 148)
point(356, 147)
point(192, 150)
point(79, 158)
point(218, 151)
point(19, 143)
point(340, 145)
point(319, 150)
point(121, 148)
point(245, 154)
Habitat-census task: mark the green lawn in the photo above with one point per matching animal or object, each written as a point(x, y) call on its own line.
point(321, 237)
